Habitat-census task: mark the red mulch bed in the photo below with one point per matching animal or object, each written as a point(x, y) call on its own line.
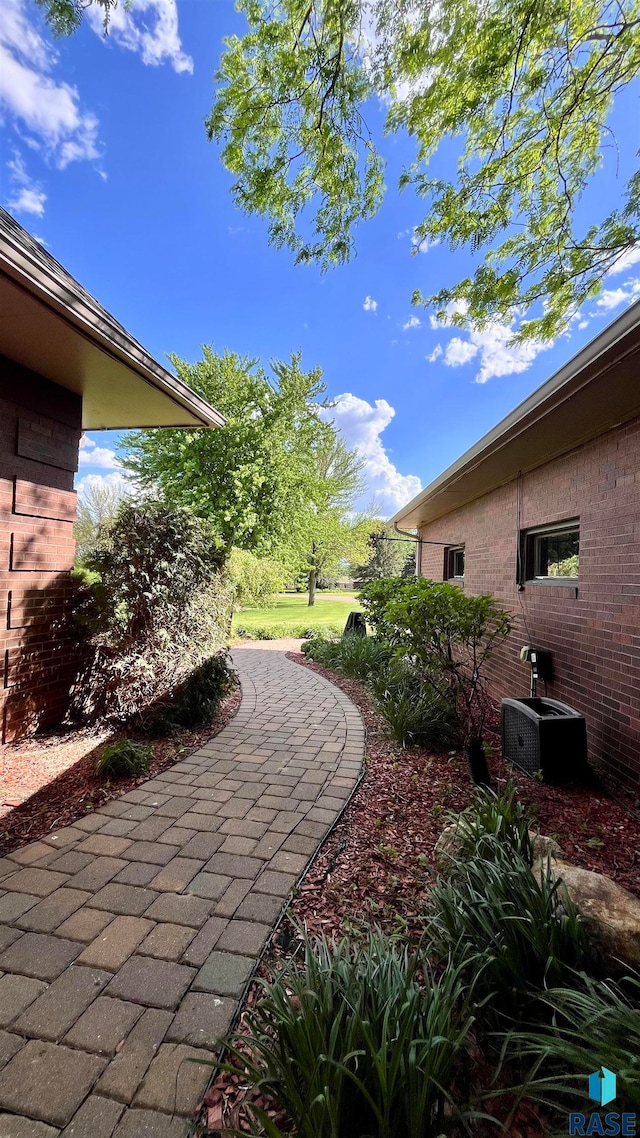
point(76, 790)
point(377, 864)
point(401, 806)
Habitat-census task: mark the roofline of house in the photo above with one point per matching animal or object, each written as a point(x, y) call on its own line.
point(566, 382)
point(79, 309)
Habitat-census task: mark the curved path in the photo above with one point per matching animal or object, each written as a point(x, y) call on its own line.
point(126, 939)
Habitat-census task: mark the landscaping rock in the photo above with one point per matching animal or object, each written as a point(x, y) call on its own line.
point(449, 845)
point(612, 913)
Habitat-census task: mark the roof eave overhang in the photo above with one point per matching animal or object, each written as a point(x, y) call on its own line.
point(112, 341)
point(576, 404)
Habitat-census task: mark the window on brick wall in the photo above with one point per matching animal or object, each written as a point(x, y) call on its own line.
point(454, 562)
point(552, 553)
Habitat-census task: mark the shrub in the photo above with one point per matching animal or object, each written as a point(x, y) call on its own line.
point(351, 1043)
point(257, 580)
point(123, 759)
point(448, 636)
point(513, 932)
point(414, 712)
point(375, 598)
point(160, 603)
point(277, 631)
point(196, 700)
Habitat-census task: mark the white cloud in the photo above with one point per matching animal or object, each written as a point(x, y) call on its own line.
point(435, 354)
point(422, 244)
point(93, 455)
point(614, 297)
point(460, 352)
point(48, 108)
point(625, 261)
point(26, 195)
point(362, 424)
point(412, 322)
point(498, 356)
point(149, 27)
point(369, 304)
point(28, 200)
point(116, 480)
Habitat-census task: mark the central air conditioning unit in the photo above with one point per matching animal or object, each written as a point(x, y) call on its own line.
point(544, 735)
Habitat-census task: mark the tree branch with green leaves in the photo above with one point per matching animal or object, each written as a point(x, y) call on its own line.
point(525, 89)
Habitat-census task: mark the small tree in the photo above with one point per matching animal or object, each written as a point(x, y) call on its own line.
point(98, 506)
point(449, 637)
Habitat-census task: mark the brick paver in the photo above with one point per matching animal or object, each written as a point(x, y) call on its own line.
point(128, 938)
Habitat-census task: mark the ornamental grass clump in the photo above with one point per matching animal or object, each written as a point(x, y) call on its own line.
point(357, 657)
point(352, 1041)
point(496, 816)
point(123, 760)
point(512, 931)
point(415, 713)
point(589, 1024)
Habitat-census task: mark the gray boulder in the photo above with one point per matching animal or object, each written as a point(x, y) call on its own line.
point(611, 913)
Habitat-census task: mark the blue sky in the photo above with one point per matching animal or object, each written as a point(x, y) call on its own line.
point(104, 157)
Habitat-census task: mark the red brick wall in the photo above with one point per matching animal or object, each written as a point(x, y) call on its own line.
point(40, 427)
point(593, 630)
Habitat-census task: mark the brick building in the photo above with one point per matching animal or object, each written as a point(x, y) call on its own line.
point(544, 513)
point(65, 366)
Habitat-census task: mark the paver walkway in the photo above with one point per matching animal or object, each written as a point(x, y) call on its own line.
point(126, 939)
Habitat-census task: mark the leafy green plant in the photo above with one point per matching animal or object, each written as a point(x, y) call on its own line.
point(196, 700)
point(352, 1042)
point(358, 657)
point(161, 604)
point(498, 815)
point(257, 580)
point(448, 637)
point(414, 712)
point(590, 1023)
point(375, 598)
point(123, 759)
point(512, 931)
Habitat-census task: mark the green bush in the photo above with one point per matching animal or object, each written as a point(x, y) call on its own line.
point(414, 712)
point(161, 604)
point(375, 598)
point(448, 636)
point(196, 700)
point(354, 1043)
point(257, 580)
point(289, 631)
point(512, 931)
point(123, 759)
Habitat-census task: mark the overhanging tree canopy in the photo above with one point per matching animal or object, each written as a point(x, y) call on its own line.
point(524, 86)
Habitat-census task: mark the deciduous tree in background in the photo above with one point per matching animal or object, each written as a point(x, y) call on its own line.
point(252, 478)
point(98, 506)
point(388, 555)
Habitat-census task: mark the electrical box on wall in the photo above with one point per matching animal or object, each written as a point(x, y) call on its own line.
point(541, 661)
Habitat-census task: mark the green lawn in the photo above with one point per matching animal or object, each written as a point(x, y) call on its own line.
point(291, 615)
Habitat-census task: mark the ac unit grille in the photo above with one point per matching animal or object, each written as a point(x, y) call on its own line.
point(521, 740)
